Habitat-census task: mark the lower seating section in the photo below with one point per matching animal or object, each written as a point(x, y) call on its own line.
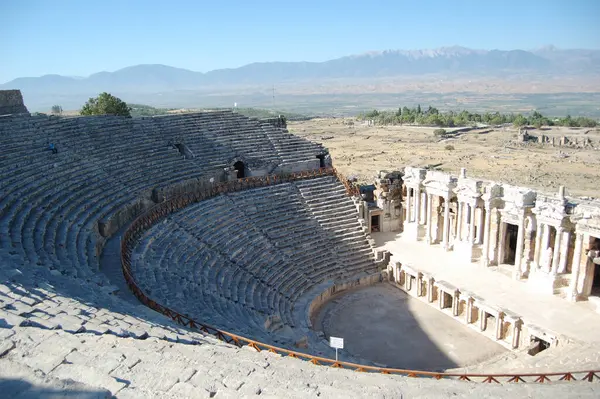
point(236, 259)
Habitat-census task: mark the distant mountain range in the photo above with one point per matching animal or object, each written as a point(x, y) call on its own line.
point(447, 61)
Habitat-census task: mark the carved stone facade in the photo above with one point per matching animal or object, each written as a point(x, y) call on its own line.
point(382, 211)
point(549, 241)
point(389, 199)
point(442, 208)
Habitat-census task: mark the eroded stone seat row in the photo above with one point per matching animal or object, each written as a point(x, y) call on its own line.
point(242, 258)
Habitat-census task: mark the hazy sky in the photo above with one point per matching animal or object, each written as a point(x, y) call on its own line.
point(78, 38)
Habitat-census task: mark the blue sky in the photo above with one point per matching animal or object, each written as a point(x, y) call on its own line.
point(78, 38)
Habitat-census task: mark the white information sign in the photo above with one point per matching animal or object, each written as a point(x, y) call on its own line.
point(337, 343)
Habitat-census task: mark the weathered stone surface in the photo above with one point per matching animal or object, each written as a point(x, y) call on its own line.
point(88, 375)
point(9, 320)
point(11, 102)
point(6, 346)
point(57, 208)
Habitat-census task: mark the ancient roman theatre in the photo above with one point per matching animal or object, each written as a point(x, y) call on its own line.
point(210, 254)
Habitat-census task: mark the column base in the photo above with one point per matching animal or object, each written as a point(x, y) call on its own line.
point(414, 231)
point(468, 252)
point(574, 297)
point(519, 275)
point(550, 284)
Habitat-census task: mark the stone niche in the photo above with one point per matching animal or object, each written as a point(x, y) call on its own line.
point(11, 102)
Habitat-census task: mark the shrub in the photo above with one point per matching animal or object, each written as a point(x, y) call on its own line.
point(439, 132)
point(449, 147)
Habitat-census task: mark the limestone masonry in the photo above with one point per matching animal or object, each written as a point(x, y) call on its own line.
point(257, 261)
point(11, 102)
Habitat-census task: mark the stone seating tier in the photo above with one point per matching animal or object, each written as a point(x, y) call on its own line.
point(51, 203)
point(242, 257)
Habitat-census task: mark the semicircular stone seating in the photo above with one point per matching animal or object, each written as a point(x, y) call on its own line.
point(52, 206)
point(51, 203)
point(251, 255)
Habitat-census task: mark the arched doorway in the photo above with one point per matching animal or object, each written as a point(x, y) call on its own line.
point(321, 158)
point(240, 167)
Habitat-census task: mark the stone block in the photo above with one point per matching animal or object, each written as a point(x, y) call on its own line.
point(69, 324)
point(50, 353)
point(41, 323)
point(89, 376)
point(6, 333)
point(19, 308)
point(9, 320)
point(6, 346)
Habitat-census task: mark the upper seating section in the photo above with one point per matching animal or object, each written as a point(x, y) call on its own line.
point(51, 203)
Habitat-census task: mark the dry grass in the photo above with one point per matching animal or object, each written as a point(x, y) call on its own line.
point(363, 150)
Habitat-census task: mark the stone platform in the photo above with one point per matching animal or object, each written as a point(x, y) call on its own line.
point(576, 321)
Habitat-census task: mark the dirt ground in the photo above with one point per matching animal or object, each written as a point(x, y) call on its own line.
point(386, 326)
point(362, 150)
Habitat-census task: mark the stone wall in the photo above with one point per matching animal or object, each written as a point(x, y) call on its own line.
point(11, 102)
point(279, 122)
point(338, 288)
point(562, 141)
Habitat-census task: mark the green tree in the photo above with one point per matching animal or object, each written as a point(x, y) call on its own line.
point(520, 120)
point(372, 114)
point(56, 109)
point(536, 115)
point(106, 104)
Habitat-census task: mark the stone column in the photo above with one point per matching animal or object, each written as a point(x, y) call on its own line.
point(419, 284)
point(556, 254)
point(482, 320)
point(430, 289)
point(423, 211)
point(446, 221)
point(469, 309)
point(538, 244)
point(562, 266)
point(459, 219)
point(472, 224)
point(480, 226)
point(441, 298)
point(499, 323)
point(428, 219)
point(576, 267)
point(485, 258)
point(516, 327)
point(519, 249)
point(455, 304)
point(494, 236)
point(417, 205)
point(408, 218)
point(501, 242)
point(545, 245)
